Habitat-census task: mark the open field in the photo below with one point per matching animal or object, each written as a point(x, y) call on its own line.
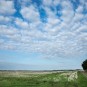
point(43, 79)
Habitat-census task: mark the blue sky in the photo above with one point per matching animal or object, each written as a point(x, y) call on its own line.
point(43, 34)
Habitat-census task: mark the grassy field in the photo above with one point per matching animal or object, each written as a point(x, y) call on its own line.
point(42, 79)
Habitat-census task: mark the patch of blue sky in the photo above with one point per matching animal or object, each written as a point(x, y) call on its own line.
point(85, 10)
point(37, 2)
point(75, 4)
point(19, 57)
point(59, 8)
point(43, 15)
point(17, 6)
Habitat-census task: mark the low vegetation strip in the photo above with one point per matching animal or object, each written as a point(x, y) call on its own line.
point(59, 79)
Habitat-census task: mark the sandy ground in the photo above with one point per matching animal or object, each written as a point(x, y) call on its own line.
point(70, 74)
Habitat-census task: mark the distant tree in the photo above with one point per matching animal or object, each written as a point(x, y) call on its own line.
point(84, 65)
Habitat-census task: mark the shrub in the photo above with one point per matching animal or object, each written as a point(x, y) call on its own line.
point(84, 65)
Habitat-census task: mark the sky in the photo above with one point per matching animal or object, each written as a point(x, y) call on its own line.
point(43, 34)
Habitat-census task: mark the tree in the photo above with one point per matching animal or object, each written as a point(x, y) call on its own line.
point(84, 65)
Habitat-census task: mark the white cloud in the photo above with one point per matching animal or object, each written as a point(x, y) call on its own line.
point(4, 19)
point(30, 13)
point(7, 7)
point(47, 2)
point(56, 2)
point(50, 13)
point(67, 11)
point(22, 24)
point(51, 2)
point(7, 30)
point(59, 36)
point(79, 9)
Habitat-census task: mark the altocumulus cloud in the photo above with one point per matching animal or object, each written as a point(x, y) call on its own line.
point(51, 27)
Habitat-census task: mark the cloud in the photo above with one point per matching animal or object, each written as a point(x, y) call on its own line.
point(20, 23)
point(30, 13)
point(4, 19)
point(63, 36)
point(7, 7)
point(67, 11)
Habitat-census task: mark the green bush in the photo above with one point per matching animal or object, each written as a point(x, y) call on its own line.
point(84, 65)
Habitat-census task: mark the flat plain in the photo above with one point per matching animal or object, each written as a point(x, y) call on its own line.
point(43, 78)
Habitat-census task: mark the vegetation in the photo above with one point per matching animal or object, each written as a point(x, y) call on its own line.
point(84, 65)
point(44, 80)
